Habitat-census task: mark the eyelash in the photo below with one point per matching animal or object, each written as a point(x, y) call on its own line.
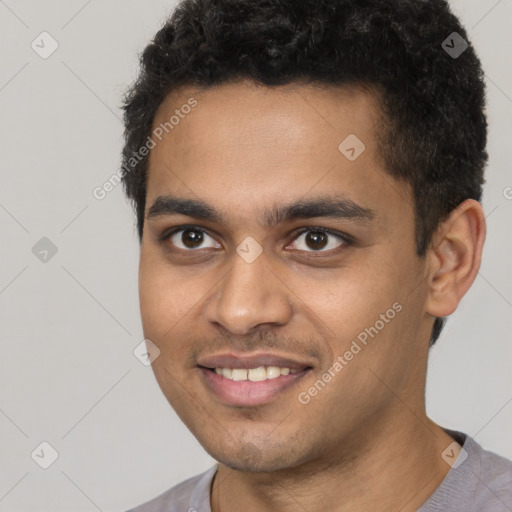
point(346, 239)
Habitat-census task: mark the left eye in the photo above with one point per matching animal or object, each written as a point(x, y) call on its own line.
point(318, 240)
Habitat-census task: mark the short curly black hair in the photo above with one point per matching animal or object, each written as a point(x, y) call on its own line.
point(415, 53)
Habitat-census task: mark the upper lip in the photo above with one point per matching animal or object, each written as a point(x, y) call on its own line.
point(254, 360)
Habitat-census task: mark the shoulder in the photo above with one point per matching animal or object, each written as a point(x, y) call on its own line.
point(179, 497)
point(484, 478)
point(478, 480)
point(495, 476)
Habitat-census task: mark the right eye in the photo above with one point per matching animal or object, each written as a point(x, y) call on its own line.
point(187, 238)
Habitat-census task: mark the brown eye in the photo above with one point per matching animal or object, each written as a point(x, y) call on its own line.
point(319, 240)
point(189, 239)
point(316, 240)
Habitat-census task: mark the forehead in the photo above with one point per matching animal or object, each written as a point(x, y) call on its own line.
point(244, 144)
point(246, 114)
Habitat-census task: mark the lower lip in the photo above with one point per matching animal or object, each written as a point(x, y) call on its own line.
point(246, 392)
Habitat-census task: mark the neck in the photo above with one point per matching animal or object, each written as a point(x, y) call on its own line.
point(397, 466)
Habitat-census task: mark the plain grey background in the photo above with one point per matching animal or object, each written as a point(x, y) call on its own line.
point(69, 324)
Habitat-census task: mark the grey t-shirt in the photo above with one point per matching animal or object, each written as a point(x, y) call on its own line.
point(482, 482)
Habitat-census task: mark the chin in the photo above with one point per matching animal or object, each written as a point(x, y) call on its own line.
point(248, 457)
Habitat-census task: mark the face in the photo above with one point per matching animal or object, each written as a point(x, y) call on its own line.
point(272, 250)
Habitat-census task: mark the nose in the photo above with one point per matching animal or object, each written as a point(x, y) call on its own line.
point(249, 295)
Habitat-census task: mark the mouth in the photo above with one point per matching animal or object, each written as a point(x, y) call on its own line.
point(251, 380)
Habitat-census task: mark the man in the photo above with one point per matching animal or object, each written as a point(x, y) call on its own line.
point(306, 177)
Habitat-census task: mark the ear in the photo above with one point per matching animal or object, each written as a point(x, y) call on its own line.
point(454, 258)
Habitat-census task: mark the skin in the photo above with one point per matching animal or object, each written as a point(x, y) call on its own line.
point(364, 442)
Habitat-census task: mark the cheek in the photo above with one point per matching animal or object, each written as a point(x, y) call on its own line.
point(368, 313)
point(152, 297)
point(350, 300)
point(164, 297)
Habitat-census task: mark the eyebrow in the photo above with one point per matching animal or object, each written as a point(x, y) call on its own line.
point(331, 207)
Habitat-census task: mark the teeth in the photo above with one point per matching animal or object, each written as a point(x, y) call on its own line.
point(254, 374)
point(273, 372)
point(257, 374)
point(239, 374)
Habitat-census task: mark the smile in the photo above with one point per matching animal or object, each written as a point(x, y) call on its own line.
point(254, 374)
point(250, 379)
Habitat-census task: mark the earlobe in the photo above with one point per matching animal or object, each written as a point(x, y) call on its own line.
point(456, 256)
